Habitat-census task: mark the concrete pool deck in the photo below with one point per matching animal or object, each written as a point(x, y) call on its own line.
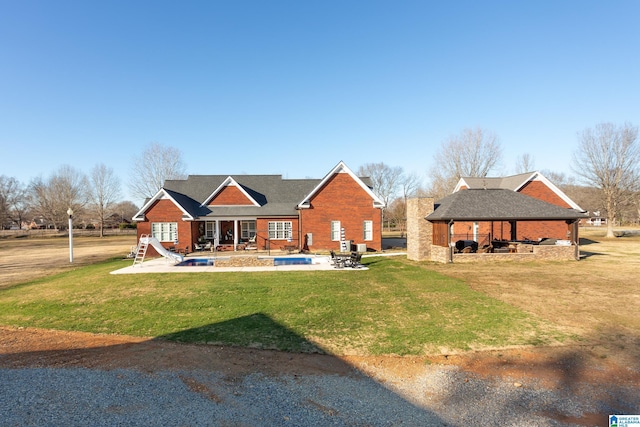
point(163, 265)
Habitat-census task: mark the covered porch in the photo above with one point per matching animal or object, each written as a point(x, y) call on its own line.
point(225, 234)
point(497, 224)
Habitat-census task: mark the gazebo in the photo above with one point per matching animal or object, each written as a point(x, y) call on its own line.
point(497, 221)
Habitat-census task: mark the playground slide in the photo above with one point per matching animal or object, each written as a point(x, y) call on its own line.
point(162, 250)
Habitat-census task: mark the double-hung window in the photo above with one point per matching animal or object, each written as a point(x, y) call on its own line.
point(335, 231)
point(367, 227)
point(165, 231)
point(210, 230)
point(247, 229)
point(280, 230)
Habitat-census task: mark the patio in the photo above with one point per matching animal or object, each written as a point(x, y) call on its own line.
point(237, 263)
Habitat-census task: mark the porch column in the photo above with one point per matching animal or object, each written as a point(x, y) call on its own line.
point(235, 234)
point(450, 246)
point(576, 238)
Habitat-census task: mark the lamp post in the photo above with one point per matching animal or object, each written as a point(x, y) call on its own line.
point(70, 213)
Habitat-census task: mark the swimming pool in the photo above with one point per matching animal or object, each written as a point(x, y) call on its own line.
point(292, 261)
point(196, 262)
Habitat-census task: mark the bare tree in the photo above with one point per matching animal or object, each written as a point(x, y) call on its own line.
point(104, 193)
point(385, 180)
point(156, 164)
point(474, 152)
point(608, 158)
point(63, 190)
point(7, 188)
point(126, 209)
point(13, 202)
point(560, 179)
point(525, 163)
point(410, 185)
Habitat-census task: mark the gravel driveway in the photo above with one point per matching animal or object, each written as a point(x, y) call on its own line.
point(121, 397)
point(50, 378)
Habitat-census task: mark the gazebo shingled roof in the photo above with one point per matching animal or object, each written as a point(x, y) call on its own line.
point(498, 205)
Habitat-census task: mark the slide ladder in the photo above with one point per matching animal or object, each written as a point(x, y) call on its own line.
point(141, 251)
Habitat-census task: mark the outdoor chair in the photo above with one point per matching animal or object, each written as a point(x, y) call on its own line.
point(339, 262)
point(251, 243)
point(355, 259)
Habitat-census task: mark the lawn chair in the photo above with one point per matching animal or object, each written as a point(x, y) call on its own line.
point(354, 261)
point(251, 244)
point(338, 261)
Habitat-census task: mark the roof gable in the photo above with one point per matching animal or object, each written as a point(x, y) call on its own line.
point(515, 183)
point(180, 200)
point(230, 183)
point(341, 167)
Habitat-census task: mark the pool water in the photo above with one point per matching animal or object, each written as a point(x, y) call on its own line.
point(292, 261)
point(196, 262)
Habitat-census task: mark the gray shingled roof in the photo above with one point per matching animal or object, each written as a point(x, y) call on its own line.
point(275, 195)
point(497, 205)
point(508, 182)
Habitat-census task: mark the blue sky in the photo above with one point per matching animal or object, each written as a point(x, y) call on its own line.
point(293, 87)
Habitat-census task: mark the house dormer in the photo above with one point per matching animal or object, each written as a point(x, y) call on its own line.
point(341, 169)
point(231, 193)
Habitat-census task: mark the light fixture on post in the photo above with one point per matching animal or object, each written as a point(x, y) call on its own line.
point(70, 213)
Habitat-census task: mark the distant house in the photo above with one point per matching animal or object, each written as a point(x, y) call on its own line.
point(594, 220)
point(229, 211)
point(39, 223)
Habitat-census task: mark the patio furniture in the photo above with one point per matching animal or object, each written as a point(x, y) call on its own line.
point(342, 259)
point(354, 260)
point(251, 244)
point(289, 248)
point(462, 245)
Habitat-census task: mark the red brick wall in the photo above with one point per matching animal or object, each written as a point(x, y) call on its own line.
point(166, 211)
point(262, 232)
point(230, 196)
point(501, 230)
point(540, 191)
point(341, 199)
point(535, 230)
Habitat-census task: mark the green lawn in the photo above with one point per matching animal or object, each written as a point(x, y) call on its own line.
point(396, 307)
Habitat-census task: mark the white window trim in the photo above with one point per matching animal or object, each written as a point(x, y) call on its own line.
point(210, 230)
point(335, 231)
point(280, 230)
point(367, 230)
point(165, 231)
point(248, 229)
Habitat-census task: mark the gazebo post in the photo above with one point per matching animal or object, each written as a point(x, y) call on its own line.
point(449, 227)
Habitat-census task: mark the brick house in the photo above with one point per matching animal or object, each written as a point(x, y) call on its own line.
point(264, 212)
